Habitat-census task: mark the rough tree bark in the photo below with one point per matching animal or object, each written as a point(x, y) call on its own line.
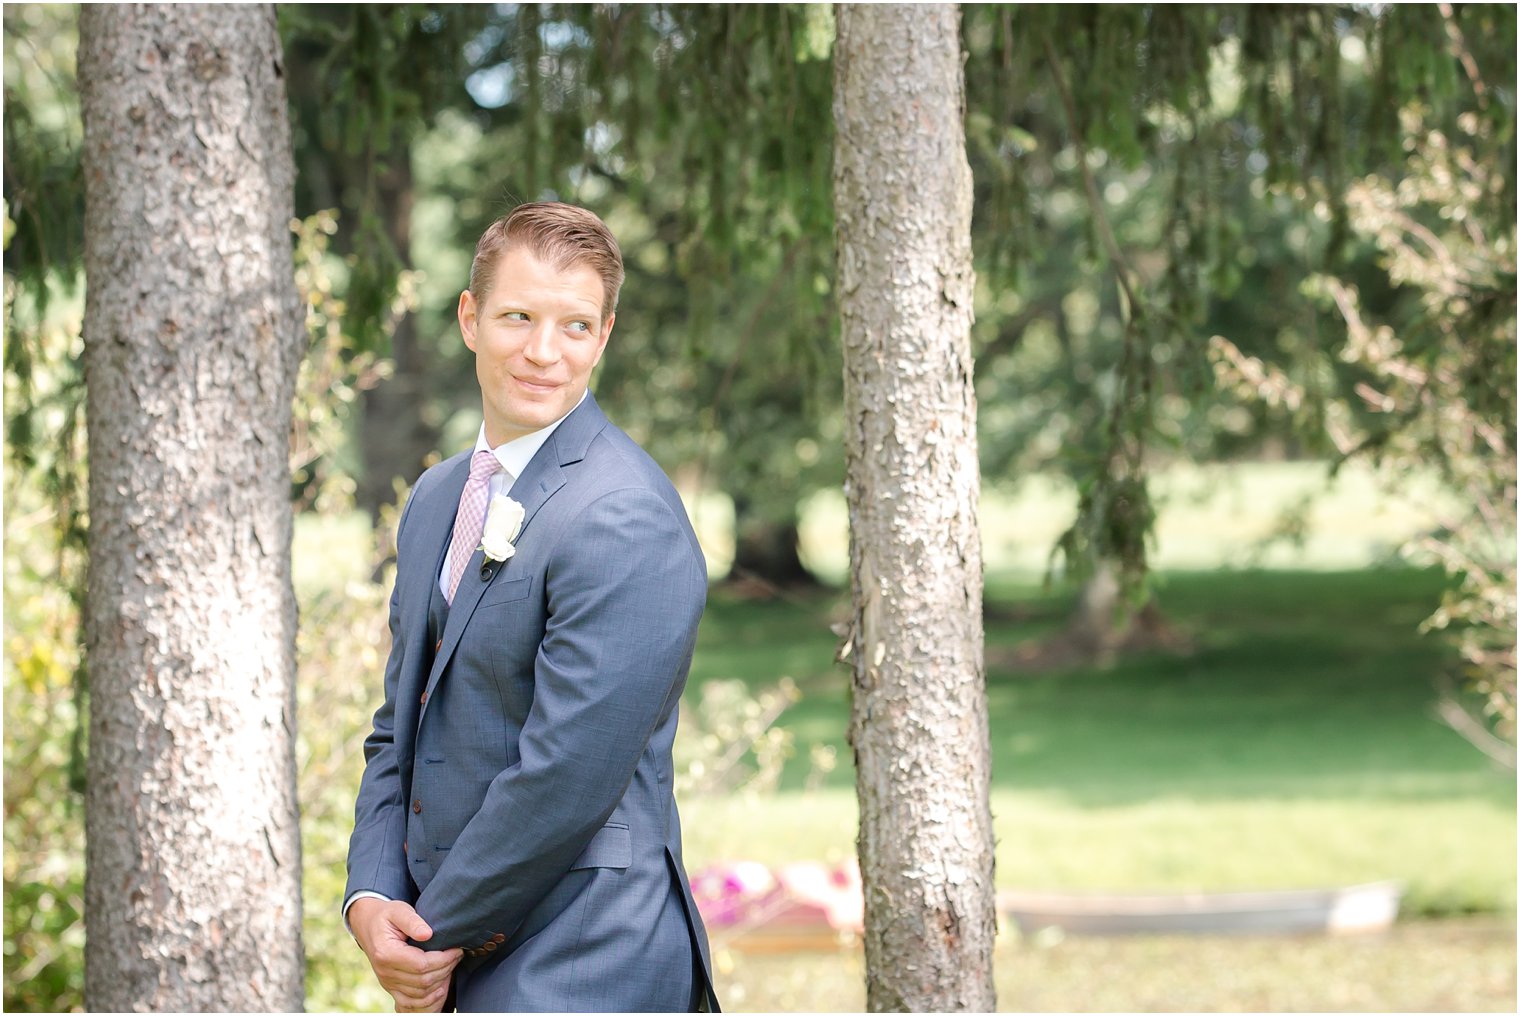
point(193, 337)
point(902, 194)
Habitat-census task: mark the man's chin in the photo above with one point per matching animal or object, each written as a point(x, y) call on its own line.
point(526, 420)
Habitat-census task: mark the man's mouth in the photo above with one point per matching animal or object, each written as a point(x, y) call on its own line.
point(535, 386)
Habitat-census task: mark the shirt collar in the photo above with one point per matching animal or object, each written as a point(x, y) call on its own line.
point(515, 455)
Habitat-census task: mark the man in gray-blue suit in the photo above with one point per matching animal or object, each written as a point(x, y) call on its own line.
point(516, 844)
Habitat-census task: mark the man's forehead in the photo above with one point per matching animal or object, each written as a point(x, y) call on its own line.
point(522, 275)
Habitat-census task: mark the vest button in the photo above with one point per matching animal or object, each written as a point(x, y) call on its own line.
point(417, 806)
point(424, 698)
point(438, 646)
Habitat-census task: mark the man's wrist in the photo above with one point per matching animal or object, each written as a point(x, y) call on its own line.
point(362, 894)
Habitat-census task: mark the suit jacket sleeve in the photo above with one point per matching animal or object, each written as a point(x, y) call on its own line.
point(625, 588)
point(376, 852)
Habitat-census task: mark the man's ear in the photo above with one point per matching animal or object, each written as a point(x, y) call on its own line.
point(469, 314)
point(606, 334)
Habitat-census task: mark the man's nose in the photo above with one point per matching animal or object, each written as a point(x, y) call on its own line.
point(543, 346)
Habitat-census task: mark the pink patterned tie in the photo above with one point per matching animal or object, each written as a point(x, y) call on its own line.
point(470, 522)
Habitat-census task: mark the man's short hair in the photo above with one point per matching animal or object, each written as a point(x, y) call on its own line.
point(559, 234)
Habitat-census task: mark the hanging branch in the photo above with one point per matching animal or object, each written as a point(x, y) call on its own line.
point(1122, 266)
point(1463, 54)
point(1117, 508)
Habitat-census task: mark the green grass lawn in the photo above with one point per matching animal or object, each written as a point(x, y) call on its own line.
point(1293, 747)
point(1465, 965)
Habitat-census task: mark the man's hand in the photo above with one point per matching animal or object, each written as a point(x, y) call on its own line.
point(417, 979)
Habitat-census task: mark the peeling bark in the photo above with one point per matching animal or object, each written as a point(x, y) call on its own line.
point(902, 190)
point(193, 337)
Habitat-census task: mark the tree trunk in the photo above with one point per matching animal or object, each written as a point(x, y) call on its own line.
point(1094, 630)
point(395, 437)
point(902, 194)
point(193, 337)
point(765, 548)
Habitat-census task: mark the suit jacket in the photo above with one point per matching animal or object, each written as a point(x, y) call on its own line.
point(517, 787)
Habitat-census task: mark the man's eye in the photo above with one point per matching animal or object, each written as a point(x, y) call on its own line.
point(516, 315)
point(579, 326)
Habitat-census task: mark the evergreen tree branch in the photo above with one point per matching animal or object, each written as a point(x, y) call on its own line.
point(1451, 712)
point(1122, 267)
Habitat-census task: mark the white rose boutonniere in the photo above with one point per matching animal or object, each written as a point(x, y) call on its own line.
point(504, 521)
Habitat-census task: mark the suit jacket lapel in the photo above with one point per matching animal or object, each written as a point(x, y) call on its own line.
point(543, 476)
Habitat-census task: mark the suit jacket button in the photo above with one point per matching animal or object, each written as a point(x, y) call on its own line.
point(438, 646)
point(417, 806)
point(424, 698)
point(490, 947)
point(498, 938)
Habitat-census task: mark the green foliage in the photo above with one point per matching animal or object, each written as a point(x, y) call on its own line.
point(734, 99)
point(44, 806)
point(1443, 386)
point(364, 79)
point(44, 204)
point(383, 68)
point(1204, 115)
point(46, 520)
point(341, 651)
point(703, 135)
point(333, 373)
point(44, 190)
point(1434, 385)
point(343, 639)
point(732, 741)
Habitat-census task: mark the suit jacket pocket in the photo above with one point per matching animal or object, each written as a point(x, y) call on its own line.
point(506, 591)
point(611, 847)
